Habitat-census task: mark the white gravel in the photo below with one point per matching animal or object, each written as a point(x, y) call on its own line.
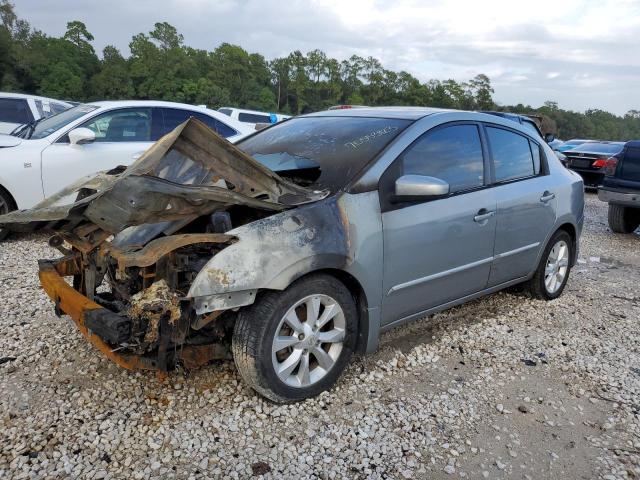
point(503, 387)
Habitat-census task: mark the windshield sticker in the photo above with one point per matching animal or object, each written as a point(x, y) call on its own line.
point(370, 136)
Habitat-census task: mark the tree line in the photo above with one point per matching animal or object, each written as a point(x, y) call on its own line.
point(161, 67)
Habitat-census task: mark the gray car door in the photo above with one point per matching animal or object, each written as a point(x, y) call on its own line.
point(526, 203)
point(440, 250)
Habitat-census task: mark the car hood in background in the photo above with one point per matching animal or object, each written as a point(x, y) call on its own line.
point(9, 141)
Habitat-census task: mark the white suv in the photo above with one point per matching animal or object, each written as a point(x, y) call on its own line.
point(17, 108)
point(42, 157)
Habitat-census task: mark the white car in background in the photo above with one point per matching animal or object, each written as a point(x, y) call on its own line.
point(18, 108)
point(40, 158)
point(253, 117)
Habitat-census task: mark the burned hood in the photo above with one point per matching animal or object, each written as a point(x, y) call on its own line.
point(188, 173)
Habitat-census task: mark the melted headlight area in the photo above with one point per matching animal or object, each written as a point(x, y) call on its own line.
point(142, 292)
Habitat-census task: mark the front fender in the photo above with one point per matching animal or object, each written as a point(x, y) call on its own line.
point(274, 251)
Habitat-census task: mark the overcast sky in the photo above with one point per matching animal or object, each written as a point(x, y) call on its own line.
point(582, 54)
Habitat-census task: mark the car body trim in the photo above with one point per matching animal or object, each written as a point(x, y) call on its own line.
point(435, 276)
point(516, 250)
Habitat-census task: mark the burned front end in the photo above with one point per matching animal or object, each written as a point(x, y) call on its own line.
point(134, 241)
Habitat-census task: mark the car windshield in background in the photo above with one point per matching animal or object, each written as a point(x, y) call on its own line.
point(47, 126)
point(326, 152)
point(594, 147)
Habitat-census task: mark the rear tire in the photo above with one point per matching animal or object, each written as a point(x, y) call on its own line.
point(623, 219)
point(552, 273)
point(6, 205)
point(281, 347)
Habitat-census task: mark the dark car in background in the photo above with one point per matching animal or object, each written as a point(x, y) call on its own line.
point(621, 188)
point(590, 158)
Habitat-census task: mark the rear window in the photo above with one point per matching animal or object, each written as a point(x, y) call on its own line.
point(15, 110)
point(254, 118)
point(326, 152)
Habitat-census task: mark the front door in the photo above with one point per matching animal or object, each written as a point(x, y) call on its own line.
point(122, 136)
point(440, 250)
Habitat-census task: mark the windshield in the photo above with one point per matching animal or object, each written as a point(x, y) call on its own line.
point(593, 147)
point(47, 126)
point(326, 152)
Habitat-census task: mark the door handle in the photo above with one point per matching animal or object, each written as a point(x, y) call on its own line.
point(483, 214)
point(547, 197)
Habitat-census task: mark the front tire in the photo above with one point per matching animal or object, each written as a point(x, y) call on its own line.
point(623, 219)
point(552, 273)
point(295, 344)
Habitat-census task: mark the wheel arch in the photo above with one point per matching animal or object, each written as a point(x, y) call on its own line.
point(11, 198)
point(573, 233)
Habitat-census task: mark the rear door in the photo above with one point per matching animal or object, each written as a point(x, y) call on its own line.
point(526, 204)
point(122, 136)
point(439, 250)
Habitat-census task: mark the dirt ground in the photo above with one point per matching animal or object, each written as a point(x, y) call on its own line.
point(502, 387)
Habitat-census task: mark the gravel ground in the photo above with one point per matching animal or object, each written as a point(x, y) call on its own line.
point(503, 387)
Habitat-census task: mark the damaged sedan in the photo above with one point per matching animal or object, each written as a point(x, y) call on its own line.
point(297, 247)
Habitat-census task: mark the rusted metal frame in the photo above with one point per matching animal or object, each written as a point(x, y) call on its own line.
point(75, 304)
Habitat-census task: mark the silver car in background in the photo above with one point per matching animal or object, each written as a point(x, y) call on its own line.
point(376, 217)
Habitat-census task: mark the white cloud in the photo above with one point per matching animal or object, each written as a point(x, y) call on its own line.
point(579, 53)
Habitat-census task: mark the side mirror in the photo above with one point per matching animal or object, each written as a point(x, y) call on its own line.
point(549, 137)
point(417, 187)
point(80, 136)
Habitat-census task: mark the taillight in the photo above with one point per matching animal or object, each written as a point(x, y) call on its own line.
point(610, 166)
point(601, 162)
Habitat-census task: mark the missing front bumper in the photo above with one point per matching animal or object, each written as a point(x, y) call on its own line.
point(101, 326)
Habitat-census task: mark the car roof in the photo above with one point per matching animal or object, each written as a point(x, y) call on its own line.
point(147, 103)
point(35, 97)
point(401, 113)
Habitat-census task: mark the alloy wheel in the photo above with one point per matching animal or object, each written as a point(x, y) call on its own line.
point(308, 340)
point(557, 266)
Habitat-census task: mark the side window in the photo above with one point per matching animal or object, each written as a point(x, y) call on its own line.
point(174, 117)
point(254, 118)
point(15, 110)
point(126, 125)
point(511, 155)
point(536, 151)
point(226, 111)
point(453, 154)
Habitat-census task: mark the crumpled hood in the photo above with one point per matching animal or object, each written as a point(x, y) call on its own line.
point(9, 141)
point(188, 173)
